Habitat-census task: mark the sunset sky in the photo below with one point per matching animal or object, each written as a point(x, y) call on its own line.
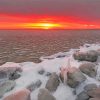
point(49, 14)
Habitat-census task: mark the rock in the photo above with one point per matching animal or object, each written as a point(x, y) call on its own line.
point(6, 86)
point(3, 76)
point(91, 56)
point(44, 94)
point(61, 56)
point(82, 96)
point(41, 71)
point(75, 77)
point(11, 69)
point(33, 85)
point(14, 76)
point(89, 69)
point(38, 83)
point(48, 74)
point(53, 82)
point(98, 51)
point(94, 99)
point(94, 93)
point(90, 87)
point(22, 94)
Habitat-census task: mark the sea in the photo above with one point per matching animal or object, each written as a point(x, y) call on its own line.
point(29, 45)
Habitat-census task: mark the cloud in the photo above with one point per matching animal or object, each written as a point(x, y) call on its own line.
point(88, 10)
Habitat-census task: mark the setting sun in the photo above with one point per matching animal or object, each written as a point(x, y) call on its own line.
point(47, 25)
point(42, 25)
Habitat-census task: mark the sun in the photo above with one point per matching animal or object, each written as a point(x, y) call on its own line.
point(48, 25)
point(42, 25)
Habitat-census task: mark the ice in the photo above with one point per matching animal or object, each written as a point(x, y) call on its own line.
point(51, 64)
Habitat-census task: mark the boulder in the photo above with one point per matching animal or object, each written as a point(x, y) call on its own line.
point(41, 71)
point(6, 86)
point(82, 96)
point(91, 56)
point(38, 83)
point(89, 69)
point(94, 93)
point(14, 76)
point(22, 94)
point(98, 51)
point(75, 77)
point(53, 82)
point(44, 94)
point(3, 77)
point(11, 69)
point(48, 74)
point(94, 99)
point(33, 85)
point(90, 87)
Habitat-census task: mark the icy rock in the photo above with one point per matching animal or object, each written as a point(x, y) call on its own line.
point(94, 99)
point(75, 77)
point(23, 94)
point(33, 85)
point(14, 76)
point(6, 86)
point(61, 56)
point(94, 93)
point(89, 87)
point(38, 83)
point(3, 76)
point(98, 51)
point(44, 94)
point(41, 71)
point(82, 96)
point(11, 69)
point(89, 69)
point(91, 56)
point(53, 82)
point(48, 74)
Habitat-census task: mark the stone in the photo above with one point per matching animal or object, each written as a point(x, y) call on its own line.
point(41, 71)
point(6, 86)
point(90, 87)
point(33, 85)
point(44, 94)
point(94, 93)
point(89, 69)
point(94, 99)
point(38, 83)
point(48, 74)
point(75, 77)
point(3, 76)
point(98, 51)
point(53, 82)
point(14, 76)
point(82, 96)
point(91, 56)
point(11, 69)
point(61, 56)
point(23, 94)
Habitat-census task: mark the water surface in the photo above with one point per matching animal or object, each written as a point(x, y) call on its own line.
point(29, 45)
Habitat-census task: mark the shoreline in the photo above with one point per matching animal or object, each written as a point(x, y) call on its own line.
point(37, 76)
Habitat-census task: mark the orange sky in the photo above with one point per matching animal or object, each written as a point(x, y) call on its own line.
point(44, 22)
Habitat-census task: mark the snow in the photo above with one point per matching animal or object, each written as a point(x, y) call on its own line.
point(51, 64)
